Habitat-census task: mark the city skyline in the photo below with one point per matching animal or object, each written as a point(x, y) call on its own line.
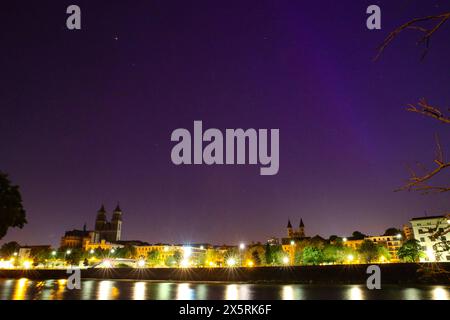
point(86, 117)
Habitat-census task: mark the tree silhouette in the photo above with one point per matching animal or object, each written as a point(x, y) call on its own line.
point(12, 213)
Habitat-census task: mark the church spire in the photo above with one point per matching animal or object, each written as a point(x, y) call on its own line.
point(289, 225)
point(301, 223)
point(102, 209)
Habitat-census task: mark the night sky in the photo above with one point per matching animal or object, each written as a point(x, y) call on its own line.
point(86, 116)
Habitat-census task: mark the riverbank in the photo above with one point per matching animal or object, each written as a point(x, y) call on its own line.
point(401, 273)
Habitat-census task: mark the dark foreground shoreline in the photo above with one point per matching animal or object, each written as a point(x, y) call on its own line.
point(395, 273)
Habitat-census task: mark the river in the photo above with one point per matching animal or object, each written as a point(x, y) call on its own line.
point(25, 289)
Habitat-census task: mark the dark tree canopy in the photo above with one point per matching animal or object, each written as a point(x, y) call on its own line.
point(7, 249)
point(392, 232)
point(358, 235)
point(12, 213)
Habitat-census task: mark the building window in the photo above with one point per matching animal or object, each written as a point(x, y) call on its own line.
point(422, 239)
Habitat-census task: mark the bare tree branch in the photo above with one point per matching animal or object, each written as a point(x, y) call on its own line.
point(421, 182)
point(414, 24)
point(423, 107)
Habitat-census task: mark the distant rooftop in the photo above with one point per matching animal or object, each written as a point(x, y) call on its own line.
point(427, 218)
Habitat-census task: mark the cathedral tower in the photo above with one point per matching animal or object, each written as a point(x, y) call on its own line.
point(301, 229)
point(290, 231)
point(116, 223)
point(100, 221)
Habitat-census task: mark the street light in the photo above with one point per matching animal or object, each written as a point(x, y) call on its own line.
point(344, 239)
point(350, 257)
point(53, 253)
point(92, 251)
point(231, 262)
point(399, 236)
point(112, 250)
point(242, 246)
point(292, 242)
point(285, 260)
point(68, 251)
point(141, 263)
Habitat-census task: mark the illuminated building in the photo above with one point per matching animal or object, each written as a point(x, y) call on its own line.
point(392, 243)
point(433, 234)
point(110, 231)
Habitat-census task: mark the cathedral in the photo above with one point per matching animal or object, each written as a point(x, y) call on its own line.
point(109, 231)
point(300, 233)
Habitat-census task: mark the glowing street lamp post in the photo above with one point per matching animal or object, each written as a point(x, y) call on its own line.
point(241, 252)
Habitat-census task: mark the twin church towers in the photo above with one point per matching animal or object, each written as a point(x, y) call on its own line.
point(109, 231)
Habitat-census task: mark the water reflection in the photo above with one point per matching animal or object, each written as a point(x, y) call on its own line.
point(411, 294)
point(7, 288)
point(87, 290)
point(440, 293)
point(141, 290)
point(355, 293)
point(184, 292)
point(232, 292)
point(20, 290)
point(106, 290)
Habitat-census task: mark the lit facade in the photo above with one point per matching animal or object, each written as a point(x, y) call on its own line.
point(433, 234)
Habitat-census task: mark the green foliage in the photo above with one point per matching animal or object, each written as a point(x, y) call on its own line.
point(41, 255)
point(274, 254)
point(256, 259)
point(177, 256)
point(312, 255)
point(9, 248)
point(383, 252)
point(170, 261)
point(333, 253)
point(410, 251)
point(75, 256)
point(127, 252)
point(12, 213)
point(333, 238)
point(368, 251)
point(153, 257)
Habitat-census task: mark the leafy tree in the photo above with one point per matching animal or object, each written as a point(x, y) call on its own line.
point(268, 254)
point(127, 252)
point(410, 251)
point(336, 253)
point(41, 255)
point(383, 252)
point(333, 238)
point(256, 258)
point(9, 248)
point(358, 235)
point(177, 256)
point(153, 257)
point(75, 256)
point(312, 255)
point(201, 259)
point(368, 251)
point(392, 232)
point(170, 261)
point(12, 213)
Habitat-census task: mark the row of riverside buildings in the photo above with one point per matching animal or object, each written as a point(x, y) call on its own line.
point(432, 233)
